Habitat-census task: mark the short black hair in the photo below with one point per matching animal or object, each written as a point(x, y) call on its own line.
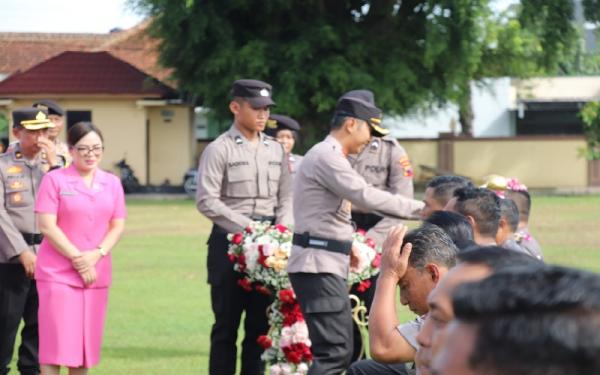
point(455, 225)
point(533, 321)
point(523, 201)
point(337, 121)
point(483, 205)
point(445, 186)
point(510, 213)
point(430, 244)
point(80, 130)
point(496, 258)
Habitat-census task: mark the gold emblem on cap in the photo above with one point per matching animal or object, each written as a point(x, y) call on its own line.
point(264, 92)
point(40, 116)
point(271, 124)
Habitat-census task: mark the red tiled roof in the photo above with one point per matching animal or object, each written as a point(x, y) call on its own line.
point(21, 51)
point(84, 73)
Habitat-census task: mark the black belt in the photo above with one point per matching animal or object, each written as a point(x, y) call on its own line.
point(33, 238)
point(270, 219)
point(306, 240)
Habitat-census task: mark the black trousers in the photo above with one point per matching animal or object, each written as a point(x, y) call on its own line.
point(370, 367)
point(229, 301)
point(324, 301)
point(18, 300)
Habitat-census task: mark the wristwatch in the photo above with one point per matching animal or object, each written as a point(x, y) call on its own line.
point(103, 251)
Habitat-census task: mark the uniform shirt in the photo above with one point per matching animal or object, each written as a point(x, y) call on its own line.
point(19, 183)
point(62, 152)
point(385, 165)
point(528, 243)
point(324, 190)
point(83, 214)
point(237, 180)
point(294, 162)
point(411, 330)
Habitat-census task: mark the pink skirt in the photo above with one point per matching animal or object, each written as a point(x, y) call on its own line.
point(71, 323)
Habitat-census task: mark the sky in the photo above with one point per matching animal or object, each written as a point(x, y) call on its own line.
point(67, 16)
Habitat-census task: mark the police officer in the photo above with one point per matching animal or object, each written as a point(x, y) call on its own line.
point(285, 129)
point(325, 189)
point(243, 176)
point(57, 115)
point(384, 164)
point(21, 170)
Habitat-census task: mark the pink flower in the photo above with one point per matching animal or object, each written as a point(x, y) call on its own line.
point(361, 232)
point(370, 243)
point(248, 230)
point(514, 184)
point(376, 261)
point(363, 286)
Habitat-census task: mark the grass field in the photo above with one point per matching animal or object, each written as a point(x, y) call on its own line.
point(159, 315)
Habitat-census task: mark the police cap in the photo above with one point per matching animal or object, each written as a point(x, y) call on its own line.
point(279, 122)
point(257, 93)
point(362, 110)
point(31, 118)
point(50, 106)
point(366, 96)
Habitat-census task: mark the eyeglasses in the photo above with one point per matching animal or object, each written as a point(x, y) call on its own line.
point(86, 150)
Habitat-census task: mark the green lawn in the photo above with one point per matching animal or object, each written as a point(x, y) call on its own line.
point(159, 315)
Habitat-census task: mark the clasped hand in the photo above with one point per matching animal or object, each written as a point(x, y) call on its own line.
point(85, 264)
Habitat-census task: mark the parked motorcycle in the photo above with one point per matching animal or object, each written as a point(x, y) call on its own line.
point(128, 179)
point(190, 182)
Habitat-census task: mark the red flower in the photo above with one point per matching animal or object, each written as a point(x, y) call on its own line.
point(287, 296)
point(242, 262)
point(263, 290)
point(376, 261)
point(281, 228)
point(364, 285)
point(291, 313)
point(264, 341)
point(292, 355)
point(231, 258)
point(248, 230)
point(296, 352)
point(237, 238)
point(369, 242)
point(361, 232)
point(245, 284)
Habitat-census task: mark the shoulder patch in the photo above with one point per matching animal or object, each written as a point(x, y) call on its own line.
point(406, 166)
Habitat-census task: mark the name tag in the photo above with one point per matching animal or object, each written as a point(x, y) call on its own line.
point(67, 193)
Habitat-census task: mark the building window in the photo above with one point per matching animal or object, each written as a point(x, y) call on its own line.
point(549, 118)
point(73, 117)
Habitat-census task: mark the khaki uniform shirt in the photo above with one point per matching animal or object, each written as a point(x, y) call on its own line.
point(19, 181)
point(62, 152)
point(237, 180)
point(325, 188)
point(385, 165)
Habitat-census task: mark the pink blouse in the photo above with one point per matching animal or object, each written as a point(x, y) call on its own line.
point(83, 214)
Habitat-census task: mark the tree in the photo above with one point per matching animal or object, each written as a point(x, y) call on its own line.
point(410, 52)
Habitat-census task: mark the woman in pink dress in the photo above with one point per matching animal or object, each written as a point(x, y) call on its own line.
point(81, 213)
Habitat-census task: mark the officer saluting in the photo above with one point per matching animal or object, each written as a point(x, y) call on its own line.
point(242, 176)
point(21, 171)
point(384, 164)
point(285, 129)
point(325, 188)
point(57, 116)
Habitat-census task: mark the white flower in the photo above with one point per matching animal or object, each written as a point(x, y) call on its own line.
point(251, 254)
point(300, 332)
point(268, 249)
point(275, 369)
point(286, 369)
point(302, 368)
point(287, 334)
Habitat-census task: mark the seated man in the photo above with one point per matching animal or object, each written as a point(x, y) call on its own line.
point(507, 226)
point(439, 190)
point(473, 264)
point(455, 225)
point(427, 255)
point(519, 194)
point(526, 321)
point(482, 208)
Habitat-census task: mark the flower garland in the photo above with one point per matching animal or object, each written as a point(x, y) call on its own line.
point(261, 253)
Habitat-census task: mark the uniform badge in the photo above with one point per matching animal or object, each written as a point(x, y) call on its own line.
point(405, 164)
point(264, 92)
point(271, 124)
point(15, 169)
point(16, 198)
point(17, 184)
point(375, 144)
point(238, 140)
point(19, 155)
